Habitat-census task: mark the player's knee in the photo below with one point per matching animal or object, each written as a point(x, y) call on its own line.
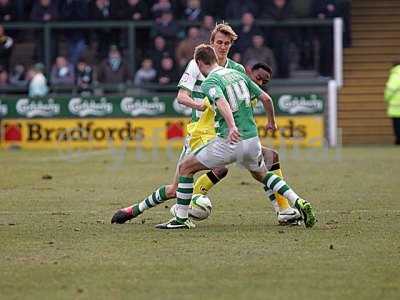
point(220, 172)
point(184, 169)
point(170, 190)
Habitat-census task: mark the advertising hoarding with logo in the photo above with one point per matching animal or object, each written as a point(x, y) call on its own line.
point(148, 121)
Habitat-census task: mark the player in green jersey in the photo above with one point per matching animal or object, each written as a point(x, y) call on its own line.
point(230, 92)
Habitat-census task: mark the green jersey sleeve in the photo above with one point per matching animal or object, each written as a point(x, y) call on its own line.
point(212, 90)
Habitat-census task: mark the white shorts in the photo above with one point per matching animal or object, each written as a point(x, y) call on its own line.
point(219, 152)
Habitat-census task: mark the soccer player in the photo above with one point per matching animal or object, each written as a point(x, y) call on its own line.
point(201, 130)
point(230, 92)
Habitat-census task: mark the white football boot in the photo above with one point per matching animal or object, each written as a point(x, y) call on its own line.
point(289, 216)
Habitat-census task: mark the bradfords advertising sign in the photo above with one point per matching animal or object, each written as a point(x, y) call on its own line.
point(149, 106)
point(141, 132)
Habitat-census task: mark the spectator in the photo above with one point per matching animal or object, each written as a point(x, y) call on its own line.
point(113, 69)
point(237, 57)
point(84, 77)
point(159, 7)
point(325, 9)
point(18, 76)
point(167, 27)
point(258, 52)
point(8, 11)
point(392, 97)
point(167, 73)
point(44, 11)
point(3, 78)
point(37, 81)
point(235, 9)
point(206, 27)
point(185, 49)
point(280, 37)
point(62, 72)
point(135, 10)
point(146, 74)
point(6, 47)
point(75, 10)
point(159, 51)
point(104, 10)
point(246, 32)
point(193, 10)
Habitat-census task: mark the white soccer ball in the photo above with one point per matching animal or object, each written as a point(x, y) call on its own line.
point(199, 209)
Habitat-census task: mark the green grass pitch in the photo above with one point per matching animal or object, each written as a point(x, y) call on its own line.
point(56, 241)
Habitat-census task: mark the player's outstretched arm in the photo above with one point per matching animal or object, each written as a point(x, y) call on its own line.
point(185, 99)
point(226, 112)
point(269, 109)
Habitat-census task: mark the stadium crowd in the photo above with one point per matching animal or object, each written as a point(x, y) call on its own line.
point(164, 48)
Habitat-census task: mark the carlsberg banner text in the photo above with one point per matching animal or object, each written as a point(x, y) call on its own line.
point(149, 106)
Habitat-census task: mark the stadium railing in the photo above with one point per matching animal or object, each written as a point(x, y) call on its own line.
point(132, 26)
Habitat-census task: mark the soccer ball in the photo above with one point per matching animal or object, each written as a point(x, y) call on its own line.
point(199, 209)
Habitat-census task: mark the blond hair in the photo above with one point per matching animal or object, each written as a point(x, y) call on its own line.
point(224, 28)
point(206, 54)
